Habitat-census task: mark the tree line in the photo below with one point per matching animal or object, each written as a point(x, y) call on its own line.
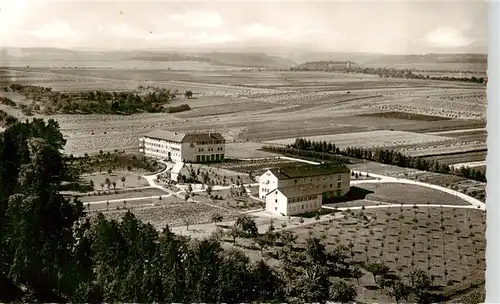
point(51, 251)
point(328, 151)
point(327, 66)
point(288, 150)
point(146, 99)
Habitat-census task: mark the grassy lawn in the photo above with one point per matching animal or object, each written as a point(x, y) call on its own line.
point(132, 180)
point(215, 175)
point(173, 212)
point(409, 194)
point(121, 194)
point(236, 203)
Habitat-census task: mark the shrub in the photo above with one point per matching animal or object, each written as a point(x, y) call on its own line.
point(177, 109)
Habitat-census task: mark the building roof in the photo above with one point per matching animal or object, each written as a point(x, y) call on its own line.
point(203, 137)
point(166, 135)
point(183, 137)
point(299, 190)
point(308, 170)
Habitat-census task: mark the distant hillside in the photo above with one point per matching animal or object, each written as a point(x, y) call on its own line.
point(248, 60)
point(216, 58)
point(164, 56)
point(387, 59)
point(230, 59)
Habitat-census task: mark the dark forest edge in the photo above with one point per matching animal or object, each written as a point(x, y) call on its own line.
point(341, 67)
point(46, 101)
point(317, 149)
point(52, 252)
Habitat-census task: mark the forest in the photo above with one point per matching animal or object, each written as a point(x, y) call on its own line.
point(144, 99)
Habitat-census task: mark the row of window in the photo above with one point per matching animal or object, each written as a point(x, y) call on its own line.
point(210, 149)
point(311, 179)
point(165, 152)
point(304, 207)
point(160, 146)
point(161, 141)
point(216, 142)
point(208, 158)
point(302, 198)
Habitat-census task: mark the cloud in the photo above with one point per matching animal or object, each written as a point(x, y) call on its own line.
point(448, 37)
point(122, 30)
point(261, 31)
point(196, 18)
point(305, 34)
point(153, 36)
point(55, 30)
point(212, 38)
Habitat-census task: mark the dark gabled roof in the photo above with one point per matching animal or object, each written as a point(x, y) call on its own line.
point(308, 170)
point(166, 135)
point(203, 137)
point(183, 137)
point(300, 190)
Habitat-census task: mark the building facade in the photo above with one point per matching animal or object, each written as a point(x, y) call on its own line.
point(302, 189)
point(182, 147)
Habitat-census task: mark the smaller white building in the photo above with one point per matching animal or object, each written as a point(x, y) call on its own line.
point(302, 189)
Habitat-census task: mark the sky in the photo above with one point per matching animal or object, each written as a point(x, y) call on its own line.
point(394, 27)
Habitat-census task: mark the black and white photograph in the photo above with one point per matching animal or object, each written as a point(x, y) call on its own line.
point(243, 152)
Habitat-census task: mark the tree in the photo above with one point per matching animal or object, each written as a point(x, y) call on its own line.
point(138, 179)
point(208, 190)
point(189, 188)
point(123, 179)
point(342, 292)
point(265, 240)
point(107, 181)
point(379, 270)
point(102, 186)
point(247, 226)
point(234, 232)
point(356, 273)
point(188, 94)
point(36, 220)
point(420, 283)
point(397, 289)
point(114, 185)
point(216, 217)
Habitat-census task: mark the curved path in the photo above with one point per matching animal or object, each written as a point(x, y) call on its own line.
point(387, 179)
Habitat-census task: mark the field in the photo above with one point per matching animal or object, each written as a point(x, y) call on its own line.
point(250, 107)
point(371, 139)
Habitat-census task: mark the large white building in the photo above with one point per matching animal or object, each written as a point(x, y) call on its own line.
point(182, 147)
point(301, 189)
